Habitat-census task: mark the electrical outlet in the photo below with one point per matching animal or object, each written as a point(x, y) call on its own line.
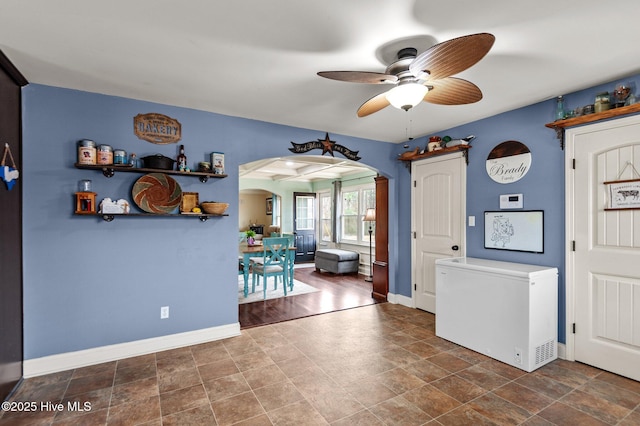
point(164, 312)
point(517, 355)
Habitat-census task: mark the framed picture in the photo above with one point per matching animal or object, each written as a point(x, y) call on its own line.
point(189, 201)
point(517, 231)
point(270, 205)
point(623, 194)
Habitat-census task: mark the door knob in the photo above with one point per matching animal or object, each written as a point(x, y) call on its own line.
point(454, 248)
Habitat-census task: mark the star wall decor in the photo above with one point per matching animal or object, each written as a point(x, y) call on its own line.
point(326, 145)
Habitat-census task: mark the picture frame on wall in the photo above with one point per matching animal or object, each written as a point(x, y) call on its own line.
point(270, 205)
point(514, 230)
point(623, 194)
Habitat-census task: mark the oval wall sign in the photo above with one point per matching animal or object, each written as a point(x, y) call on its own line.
point(157, 128)
point(508, 162)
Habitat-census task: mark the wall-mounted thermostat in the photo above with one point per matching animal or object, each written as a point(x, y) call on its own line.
point(511, 201)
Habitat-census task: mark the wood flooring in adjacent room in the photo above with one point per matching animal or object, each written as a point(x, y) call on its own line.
point(337, 292)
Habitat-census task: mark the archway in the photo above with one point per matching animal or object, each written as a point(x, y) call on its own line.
point(282, 177)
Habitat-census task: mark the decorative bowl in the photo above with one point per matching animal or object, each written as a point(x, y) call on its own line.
point(211, 207)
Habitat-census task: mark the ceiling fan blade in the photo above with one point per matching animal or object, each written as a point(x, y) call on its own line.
point(452, 56)
point(452, 91)
point(374, 104)
point(360, 77)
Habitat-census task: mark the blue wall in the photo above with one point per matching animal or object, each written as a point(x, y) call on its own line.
point(89, 283)
point(542, 187)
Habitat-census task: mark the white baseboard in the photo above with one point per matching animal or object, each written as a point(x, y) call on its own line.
point(71, 360)
point(399, 299)
point(562, 351)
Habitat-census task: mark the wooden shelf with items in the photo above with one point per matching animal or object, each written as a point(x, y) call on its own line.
point(108, 217)
point(415, 155)
point(111, 169)
point(560, 125)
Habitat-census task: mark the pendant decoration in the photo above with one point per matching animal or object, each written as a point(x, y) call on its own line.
point(624, 194)
point(8, 174)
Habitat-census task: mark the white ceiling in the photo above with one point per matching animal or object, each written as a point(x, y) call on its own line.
point(303, 169)
point(258, 59)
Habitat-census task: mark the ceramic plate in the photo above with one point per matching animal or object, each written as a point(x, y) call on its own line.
point(157, 193)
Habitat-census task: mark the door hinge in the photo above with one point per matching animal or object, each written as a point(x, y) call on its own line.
point(415, 183)
point(573, 245)
point(415, 287)
point(573, 329)
point(574, 164)
point(415, 235)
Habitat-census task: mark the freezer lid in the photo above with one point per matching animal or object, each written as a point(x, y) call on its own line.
point(496, 267)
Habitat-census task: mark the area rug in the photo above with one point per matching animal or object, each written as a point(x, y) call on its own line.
point(258, 296)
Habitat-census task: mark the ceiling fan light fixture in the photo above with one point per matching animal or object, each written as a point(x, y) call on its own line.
point(406, 96)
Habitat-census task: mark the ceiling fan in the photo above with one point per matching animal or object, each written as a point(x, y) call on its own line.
point(424, 77)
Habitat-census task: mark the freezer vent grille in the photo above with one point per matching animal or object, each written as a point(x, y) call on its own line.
point(545, 352)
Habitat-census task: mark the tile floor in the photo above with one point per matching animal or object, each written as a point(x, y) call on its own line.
point(374, 365)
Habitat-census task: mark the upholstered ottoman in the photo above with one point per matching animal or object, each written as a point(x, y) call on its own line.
point(337, 261)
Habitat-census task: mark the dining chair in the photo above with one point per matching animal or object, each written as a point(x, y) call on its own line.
point(273, 263)
point(292, 257)
point(240, 265)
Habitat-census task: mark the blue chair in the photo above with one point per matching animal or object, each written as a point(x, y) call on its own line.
point(273, 263)
point(240, 265)
point(292, 257)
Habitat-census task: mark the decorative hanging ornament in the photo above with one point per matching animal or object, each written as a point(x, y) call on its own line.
point(8, 174)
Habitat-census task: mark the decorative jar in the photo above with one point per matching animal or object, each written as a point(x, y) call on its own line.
point(602, 102)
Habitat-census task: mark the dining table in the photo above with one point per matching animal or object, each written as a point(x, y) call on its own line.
point(247, 251)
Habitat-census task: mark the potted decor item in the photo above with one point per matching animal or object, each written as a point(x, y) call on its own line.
point(250, 236)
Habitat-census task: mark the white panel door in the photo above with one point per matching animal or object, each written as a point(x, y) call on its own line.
point(438, 211)
point(605, 266)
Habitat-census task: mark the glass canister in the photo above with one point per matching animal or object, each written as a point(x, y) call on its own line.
point(119, 156)
point(602, 102)
point(86, 152)
point(105, 154)
point(84, 185)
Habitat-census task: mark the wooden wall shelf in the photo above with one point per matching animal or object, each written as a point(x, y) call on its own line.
point(415, 155)
point(560, 125)
point(111, 169)
point(108, 217)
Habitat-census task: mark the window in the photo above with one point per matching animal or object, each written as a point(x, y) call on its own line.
point(304, 212)
point(326, 233)
point(275, 218)
point(369, 202)
point(349, 215)
point(355, 202)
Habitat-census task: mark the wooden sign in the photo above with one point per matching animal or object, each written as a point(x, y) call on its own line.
point(508, 162)
point(624, 194)
point(157, 128)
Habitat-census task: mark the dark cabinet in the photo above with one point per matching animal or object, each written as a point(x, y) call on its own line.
point(11, 314)
point(380, 265)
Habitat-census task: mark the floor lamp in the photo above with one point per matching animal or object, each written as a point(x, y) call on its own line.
point(370, 216)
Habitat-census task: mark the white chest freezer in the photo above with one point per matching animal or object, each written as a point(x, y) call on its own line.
point(507, 311)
